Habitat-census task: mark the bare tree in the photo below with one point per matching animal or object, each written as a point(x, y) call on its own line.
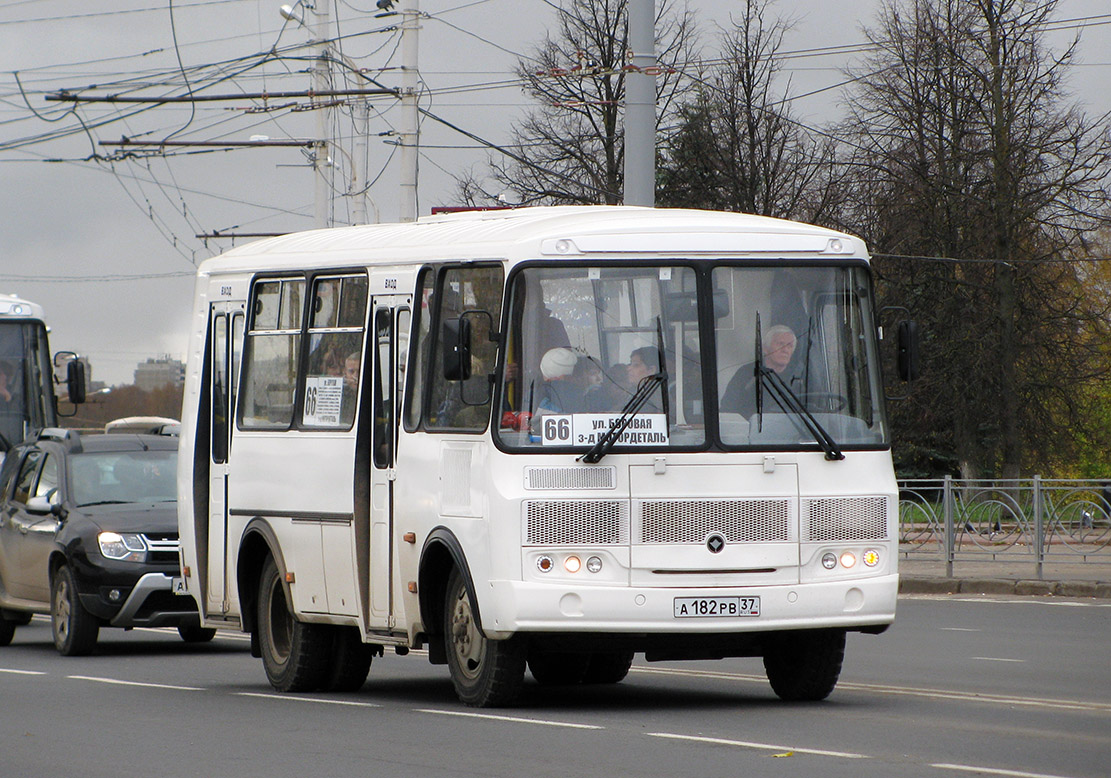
point(965, 149)
point(736, 146)
point(570, 148)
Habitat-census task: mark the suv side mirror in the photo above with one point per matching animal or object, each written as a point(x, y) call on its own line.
point(41, 506)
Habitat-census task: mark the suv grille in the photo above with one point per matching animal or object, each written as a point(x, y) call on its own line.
point(163, 547)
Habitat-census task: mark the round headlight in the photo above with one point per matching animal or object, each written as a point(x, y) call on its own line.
point(848, 559)
point(829, 560)
point(594, 564)
point(572, 564)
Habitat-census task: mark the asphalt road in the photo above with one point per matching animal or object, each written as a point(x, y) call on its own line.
point(958, 687)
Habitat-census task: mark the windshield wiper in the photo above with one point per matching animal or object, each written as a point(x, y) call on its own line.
point(789, 401)
point(644, 390)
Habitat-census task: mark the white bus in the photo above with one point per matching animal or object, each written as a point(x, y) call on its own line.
point(546, 438)
point(27, 398)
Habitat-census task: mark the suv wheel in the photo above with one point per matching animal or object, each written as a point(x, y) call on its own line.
point(75, 629)
point(7, 630)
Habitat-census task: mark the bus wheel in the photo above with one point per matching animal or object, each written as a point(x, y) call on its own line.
point(350, 661)
point(608, 667)
point(75, 629)
point(294, 653)
point(484, 672)
point(804, 666)
point(555, 668)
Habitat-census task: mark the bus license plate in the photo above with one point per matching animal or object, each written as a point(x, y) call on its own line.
point(715, 607)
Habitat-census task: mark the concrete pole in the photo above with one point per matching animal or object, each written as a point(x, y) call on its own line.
point(321, 82)
point(640, 106)
point(359, 173)
point(410, 17)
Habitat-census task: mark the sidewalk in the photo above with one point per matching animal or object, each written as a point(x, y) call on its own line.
point(927, 575)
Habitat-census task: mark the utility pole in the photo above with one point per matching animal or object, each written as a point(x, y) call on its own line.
point(410, 18)
point(640, 106)
point(359, 173)
point(321, 81)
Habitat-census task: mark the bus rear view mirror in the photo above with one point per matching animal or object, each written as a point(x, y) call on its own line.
point(908, 348)
point(456, 338)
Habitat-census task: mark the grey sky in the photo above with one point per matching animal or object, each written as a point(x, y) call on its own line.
point(70, 229)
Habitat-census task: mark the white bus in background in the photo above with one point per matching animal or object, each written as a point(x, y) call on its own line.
point(27, 398)
point(543, 438)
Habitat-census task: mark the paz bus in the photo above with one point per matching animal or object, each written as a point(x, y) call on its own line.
point(27, 398)
point(541, 439)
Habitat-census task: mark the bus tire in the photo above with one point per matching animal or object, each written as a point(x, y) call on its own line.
point(350, 661)
point(804, 666)
point(608, 667)
point(75, 629)
point(485, 672)
point(294, 653)
point(557, 668)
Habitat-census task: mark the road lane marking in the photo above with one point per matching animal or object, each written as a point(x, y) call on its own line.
point(118, 682)
point(21, 672)
point(998, 659)
point(958, 629)
point(512, 719)
point(296, 698)
point(965, 768)
point(759, 746)
point(904, 691)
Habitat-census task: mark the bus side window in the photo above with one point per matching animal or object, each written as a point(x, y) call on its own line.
point(422, 335)
point(272, 350)
point(452, 404)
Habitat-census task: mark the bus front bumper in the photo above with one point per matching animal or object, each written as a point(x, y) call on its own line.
point(510, 607)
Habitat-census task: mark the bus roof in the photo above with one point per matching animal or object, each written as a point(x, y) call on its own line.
point(13, 307)
point(558, 232)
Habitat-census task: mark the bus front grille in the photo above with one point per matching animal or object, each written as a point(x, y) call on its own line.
point(576, 522)
point(845, 518)
point(738, 521)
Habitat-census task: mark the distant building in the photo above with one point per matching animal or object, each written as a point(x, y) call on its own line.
point(159, 373)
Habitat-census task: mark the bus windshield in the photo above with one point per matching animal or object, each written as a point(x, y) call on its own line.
point(788, 350)
point(26, 381)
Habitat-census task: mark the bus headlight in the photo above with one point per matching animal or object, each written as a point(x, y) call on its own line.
point(848, 559)
point(594, 564)
point(572, 564)
point(829, 560)
point(125, 546)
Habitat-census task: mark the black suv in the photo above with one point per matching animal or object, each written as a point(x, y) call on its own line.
point(88, 534)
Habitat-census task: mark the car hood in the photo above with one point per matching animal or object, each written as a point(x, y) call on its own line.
point(133, 517)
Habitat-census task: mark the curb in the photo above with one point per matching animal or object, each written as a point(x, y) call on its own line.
point(1025, 586)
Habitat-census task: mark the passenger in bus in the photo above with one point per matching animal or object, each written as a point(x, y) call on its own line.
point(778, 348)
point(351, 367)
point(6, 374)
point(561, 392)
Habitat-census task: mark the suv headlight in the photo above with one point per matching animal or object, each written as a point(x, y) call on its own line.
point(126, 546)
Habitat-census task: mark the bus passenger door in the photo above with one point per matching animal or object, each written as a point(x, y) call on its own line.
point(226, 343)
point(386, 317)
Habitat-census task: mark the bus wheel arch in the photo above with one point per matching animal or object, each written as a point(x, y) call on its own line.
point(258, 544)
point(442, 553)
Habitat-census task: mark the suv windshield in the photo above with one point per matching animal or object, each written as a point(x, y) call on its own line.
point(581, 341)
point(103, 478)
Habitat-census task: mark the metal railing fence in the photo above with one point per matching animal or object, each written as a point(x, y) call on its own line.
point(1034, 520)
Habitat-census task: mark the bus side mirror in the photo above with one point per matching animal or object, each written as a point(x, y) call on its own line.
point(456, 339)
point(75, 381)
point(909, 365)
